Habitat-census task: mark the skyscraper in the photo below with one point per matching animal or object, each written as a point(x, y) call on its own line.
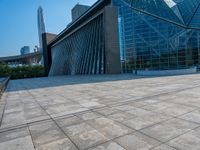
point(79, 10)
point(41, 26)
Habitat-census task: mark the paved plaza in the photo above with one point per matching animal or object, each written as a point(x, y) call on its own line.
point(108, 112)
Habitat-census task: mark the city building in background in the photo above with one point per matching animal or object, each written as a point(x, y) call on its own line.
point(41, 26)
point(78, 10)
point(115, 36)
point(27, 57)
point(25, 50)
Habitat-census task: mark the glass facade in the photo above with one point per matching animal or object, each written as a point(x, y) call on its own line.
point(155, 35)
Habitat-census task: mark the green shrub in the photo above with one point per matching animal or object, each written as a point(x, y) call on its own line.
point(21, 72)
point(5, 70)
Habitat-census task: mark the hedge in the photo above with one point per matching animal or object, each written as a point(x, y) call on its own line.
point(21, 72)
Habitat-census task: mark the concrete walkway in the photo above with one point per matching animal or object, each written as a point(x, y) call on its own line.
point(116, 112)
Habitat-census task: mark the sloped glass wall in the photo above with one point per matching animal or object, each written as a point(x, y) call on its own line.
point(156, 38)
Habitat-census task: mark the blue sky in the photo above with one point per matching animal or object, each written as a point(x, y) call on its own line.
point(18, 21)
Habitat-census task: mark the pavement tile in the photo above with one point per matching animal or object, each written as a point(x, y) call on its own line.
point(137, 104)
point(192, 116)
point(68, 120)
point(139, 111)
point(163, 147)
point(44, 132)
point(13, 109)
point(88, 115)
point(138, 123)
point(169, 129)
point(106, 111)
point(63, 144)
point(13, 119)
point(155, 117)
point(108, 146)
point(13, 134)
point(188, 141)
point(121, 116)
point(34, 113)
point(92, 105)
point(137, 141)
point(23, 143)
point(65, 109)
point(124, 107)
point(176, 110)
point(109, 128)
point(84, 135)
point(158, 106)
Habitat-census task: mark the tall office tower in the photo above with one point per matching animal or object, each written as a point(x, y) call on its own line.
point(41, 26)
point(78, 10)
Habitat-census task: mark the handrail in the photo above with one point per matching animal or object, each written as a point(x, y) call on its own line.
point(3, 85)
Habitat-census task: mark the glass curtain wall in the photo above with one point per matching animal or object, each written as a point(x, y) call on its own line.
point(154, 37)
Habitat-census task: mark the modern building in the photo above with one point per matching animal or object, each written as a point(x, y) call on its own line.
point(159, 35)
point(78, 10)
point(41, 25)
point(25, 50)
point(116, 36)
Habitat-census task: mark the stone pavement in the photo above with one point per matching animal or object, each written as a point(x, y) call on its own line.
point(108, 112)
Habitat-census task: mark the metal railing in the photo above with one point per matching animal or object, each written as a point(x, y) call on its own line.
point(3, 85)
